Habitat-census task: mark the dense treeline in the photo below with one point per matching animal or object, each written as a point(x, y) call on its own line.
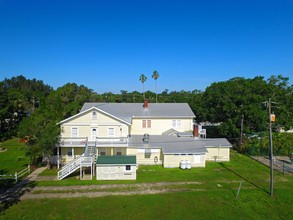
point(19, 98)
point(30, 109)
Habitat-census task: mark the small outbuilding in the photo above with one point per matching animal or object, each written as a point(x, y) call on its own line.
point(116, 168)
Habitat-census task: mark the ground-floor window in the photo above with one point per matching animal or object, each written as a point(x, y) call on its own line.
point(69, 152)
point(128, 168)
point(147, 153)
point(118, 151)
point(197, 158)
point(102, 152)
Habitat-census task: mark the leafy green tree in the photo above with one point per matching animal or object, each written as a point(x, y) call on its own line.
point(18, 99)
point(41, 127)
point(225, 102)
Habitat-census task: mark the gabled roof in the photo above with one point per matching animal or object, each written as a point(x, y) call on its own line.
point(116, 160)
point(127, 111)
point(88, 110)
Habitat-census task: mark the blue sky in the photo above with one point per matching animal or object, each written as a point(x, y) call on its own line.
point(105, 44)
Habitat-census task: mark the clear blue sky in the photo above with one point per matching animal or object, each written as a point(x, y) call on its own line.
point(105, 45)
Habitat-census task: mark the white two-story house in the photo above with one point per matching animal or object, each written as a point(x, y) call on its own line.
point(155, 133)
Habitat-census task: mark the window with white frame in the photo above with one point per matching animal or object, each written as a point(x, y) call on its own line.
point(176, 123)
point(74, 132)
point(94, 115)
point(146, 123)
point(111, 132)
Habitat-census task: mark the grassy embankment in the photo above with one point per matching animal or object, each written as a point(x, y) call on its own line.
point(12, 160)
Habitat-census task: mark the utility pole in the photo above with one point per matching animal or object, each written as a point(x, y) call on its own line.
point(241, 132)
point(271, 150)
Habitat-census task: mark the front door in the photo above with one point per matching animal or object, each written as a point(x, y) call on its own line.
point(94, 134)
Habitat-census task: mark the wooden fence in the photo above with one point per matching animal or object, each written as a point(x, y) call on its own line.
point(17, 175)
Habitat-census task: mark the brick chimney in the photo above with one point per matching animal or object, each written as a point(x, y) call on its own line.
point(195, 130)
point(145, 104)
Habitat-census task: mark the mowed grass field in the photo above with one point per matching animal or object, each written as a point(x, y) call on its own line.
point(213, 198)
point(14, 158)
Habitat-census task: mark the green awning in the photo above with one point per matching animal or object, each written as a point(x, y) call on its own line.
point(119, 160)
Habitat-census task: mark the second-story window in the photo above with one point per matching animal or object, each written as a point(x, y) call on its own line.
point(146, 123)
point(176, 123)
point(74, 132)
point(111, 132)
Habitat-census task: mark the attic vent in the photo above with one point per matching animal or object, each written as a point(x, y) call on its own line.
point(146, 138)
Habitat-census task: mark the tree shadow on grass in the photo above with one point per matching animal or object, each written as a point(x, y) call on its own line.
point(245, 179)
point(12, 195)
point(3, 171)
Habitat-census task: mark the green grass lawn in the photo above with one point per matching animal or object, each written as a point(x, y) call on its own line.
point(13, 159)
point(210, 202)
point(239, 168)
point(220, 204)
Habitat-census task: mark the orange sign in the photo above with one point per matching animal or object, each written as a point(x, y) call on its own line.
point(273, 117)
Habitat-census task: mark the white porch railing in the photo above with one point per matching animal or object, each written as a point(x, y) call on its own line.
point(69, 168)
point(100, 141)
point(74, 165)
point(73, 142)
point(86, 159)
point(202, 133)
point(112, 141)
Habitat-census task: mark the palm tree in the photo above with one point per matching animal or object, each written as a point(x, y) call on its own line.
point(143, 78)
point(155, 77)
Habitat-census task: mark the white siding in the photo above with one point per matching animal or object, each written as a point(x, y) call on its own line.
point(84, 124)
point(155, 156)
point(115, 172)
point(158, 126)
point(172, 161)
point(218, 154)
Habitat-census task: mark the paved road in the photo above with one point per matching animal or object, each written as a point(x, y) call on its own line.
point(282, 164)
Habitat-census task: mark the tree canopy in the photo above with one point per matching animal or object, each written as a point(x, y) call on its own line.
point(30, 109)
